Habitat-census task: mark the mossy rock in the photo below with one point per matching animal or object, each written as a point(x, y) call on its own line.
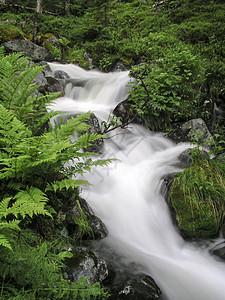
point(8, 33)
point(196, 220)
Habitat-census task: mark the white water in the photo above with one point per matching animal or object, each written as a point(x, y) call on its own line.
point(127, 195)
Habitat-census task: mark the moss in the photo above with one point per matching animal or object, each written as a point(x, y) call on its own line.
point(8, 33)
point(197, 195)
point(195, 219)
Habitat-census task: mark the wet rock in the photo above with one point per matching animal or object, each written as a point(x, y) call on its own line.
point(97, 229)
point(168, 179)
point(58, 74)
point(139, 287)
point(35, 52)
point(95, 128)
point(219, 250)
point(55, 80)
point(54, 85)
point(85, 263)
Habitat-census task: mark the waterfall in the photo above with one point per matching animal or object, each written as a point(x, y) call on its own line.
point(128, 195)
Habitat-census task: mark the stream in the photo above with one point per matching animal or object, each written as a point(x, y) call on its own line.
point(128, 195)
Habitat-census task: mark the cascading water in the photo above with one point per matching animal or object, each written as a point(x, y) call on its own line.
point(128, 195)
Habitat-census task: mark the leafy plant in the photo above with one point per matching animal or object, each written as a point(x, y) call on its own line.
point(36, 169)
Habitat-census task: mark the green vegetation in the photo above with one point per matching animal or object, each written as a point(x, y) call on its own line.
point(197, 195)
point(176, 53)
point(175, 49)
point(34, 183)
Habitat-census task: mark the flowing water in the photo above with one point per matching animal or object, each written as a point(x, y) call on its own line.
point(128, 195)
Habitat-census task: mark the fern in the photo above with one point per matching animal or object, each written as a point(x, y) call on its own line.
point(65, 184)
point(19, 91)
point(25, 203)
point(35, 170)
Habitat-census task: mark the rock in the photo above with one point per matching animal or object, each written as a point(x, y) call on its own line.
point(85, 263)
point(35, 52)
point(168, 179)
point(194, 130)
point(119, 67)
point(98, 228)
point(219, 250)
point(197, 131)
point(95, 128)
point(123, 111)
point(97, 145)
point(139, 287)
point(185, 158)
point(58, 74)
point(89, 60)
point(54, 85)
point(196, 218)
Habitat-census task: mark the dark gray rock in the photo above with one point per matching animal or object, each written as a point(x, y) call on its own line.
point(35, 52)
point(85, 263)
point(185, 158)
point(58, 74)
point(219, 250)
point(98, 228)
point(95, 128)
point(192, 131)
point(125, 113)
point(139, 287)
point(54, 85)
point(168, 179)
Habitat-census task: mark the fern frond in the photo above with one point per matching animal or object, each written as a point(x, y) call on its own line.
point(16, 186)
point(4, 207)
point(12, 130)
point(65, 184)
point(26, 203)
point(12, 225)
point(2, 52)
point(71, 127)
point(86, 140)
point(31, 202)
point(4, 242)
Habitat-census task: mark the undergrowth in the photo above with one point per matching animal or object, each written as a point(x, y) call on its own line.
point(37, 163)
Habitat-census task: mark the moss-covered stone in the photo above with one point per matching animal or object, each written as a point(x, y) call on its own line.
point(8, 33)
point(195, 219)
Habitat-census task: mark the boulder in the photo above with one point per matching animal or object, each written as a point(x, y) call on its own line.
point(139, 287)
point(96, 229)
point(219, 250)
point(194, 130)
point(197, 131)
point(85, 263)
point(196, 218)
point(35, 52)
